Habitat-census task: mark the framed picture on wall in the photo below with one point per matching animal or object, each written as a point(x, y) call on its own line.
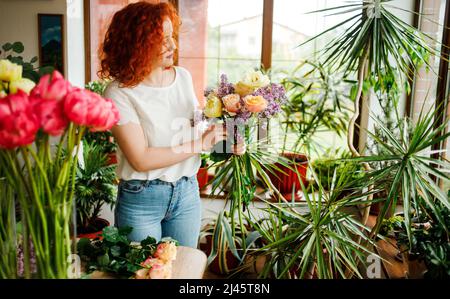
point(51, 41)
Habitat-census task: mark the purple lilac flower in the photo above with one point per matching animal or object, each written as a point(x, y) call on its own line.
point(275, 96)
point(225, 88)
point(207, 91)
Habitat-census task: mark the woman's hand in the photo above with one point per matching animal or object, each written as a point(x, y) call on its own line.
point(212, 136)
point(239, 148)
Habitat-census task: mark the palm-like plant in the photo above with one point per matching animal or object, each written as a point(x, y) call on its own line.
point(411, 167)
point(318, 243)
point(376, 42)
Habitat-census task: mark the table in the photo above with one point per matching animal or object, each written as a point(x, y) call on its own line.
point(189, 264)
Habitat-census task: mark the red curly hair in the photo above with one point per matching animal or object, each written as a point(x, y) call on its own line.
point(133, 42)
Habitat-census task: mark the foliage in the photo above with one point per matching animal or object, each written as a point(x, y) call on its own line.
point(103, 139)
point(223, 241)
point(391, 225)
point(115, 254)
point(94, 186)
point(430, 242)
point(29, 71)
point(319, 242)
point(317, 102)
point(378, 35)
point(411, 169)
point(326, 166)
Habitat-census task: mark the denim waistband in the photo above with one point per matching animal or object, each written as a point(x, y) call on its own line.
point(147, 183)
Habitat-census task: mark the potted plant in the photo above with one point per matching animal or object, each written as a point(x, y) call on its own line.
point(94, 187)
point(316, 102)
point(317, 243)
point(380, 45)
point(226, 253)
point(428, 253)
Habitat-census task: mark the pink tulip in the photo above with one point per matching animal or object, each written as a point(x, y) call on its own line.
point(51, 115)
point(52, 87)
point(18, 123)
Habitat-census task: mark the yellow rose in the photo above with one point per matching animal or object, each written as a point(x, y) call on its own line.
point(243, 89)
point(213, 107)
point(255, 104)
point(24, 84)
point(251, 82)
point(9, 71)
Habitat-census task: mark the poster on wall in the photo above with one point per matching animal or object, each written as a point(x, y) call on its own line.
point(51, 45)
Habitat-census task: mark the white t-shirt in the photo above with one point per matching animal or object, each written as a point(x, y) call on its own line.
point(165, 115)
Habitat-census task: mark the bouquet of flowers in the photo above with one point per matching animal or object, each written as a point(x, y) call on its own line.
point(243, 107)
point(115, 254)
point(40, 131)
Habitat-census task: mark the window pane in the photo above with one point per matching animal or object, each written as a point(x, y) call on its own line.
point(234, 38)
point(292, 25)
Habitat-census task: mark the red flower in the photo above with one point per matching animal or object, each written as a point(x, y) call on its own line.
point(18, 123)
point(52, 87)
point(51, 115)
point(76, 106)
point(108, 116)
point(86, 108)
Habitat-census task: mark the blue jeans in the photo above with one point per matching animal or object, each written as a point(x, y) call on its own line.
point(160, 209)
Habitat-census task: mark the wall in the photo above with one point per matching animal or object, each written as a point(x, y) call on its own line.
point(75, 42)
point(18, 22)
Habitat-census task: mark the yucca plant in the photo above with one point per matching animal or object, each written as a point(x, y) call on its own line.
point(411, 167)
point(223, 245)
point(376, 42)
point(321, 242)
point(238, 176)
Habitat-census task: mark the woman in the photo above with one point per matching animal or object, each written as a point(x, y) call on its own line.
point(158, 149)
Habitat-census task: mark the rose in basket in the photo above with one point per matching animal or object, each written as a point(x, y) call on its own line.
point(40, 133)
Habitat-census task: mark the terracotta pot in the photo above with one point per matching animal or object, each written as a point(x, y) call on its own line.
point(284, 182)
point(202, 177)
point(231, 261)
point(112, 158)
point(100, 223)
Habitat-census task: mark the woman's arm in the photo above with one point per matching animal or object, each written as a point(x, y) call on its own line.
point(131, 140)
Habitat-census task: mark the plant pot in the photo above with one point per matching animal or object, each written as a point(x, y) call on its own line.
point(286, 180)
point(112, 158)
point(202, 177)
point(100, 224)
point(231, 261)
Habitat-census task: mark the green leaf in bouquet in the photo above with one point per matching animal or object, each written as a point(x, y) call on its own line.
point(103, 260)
point(115, 251)
point(148, 241)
